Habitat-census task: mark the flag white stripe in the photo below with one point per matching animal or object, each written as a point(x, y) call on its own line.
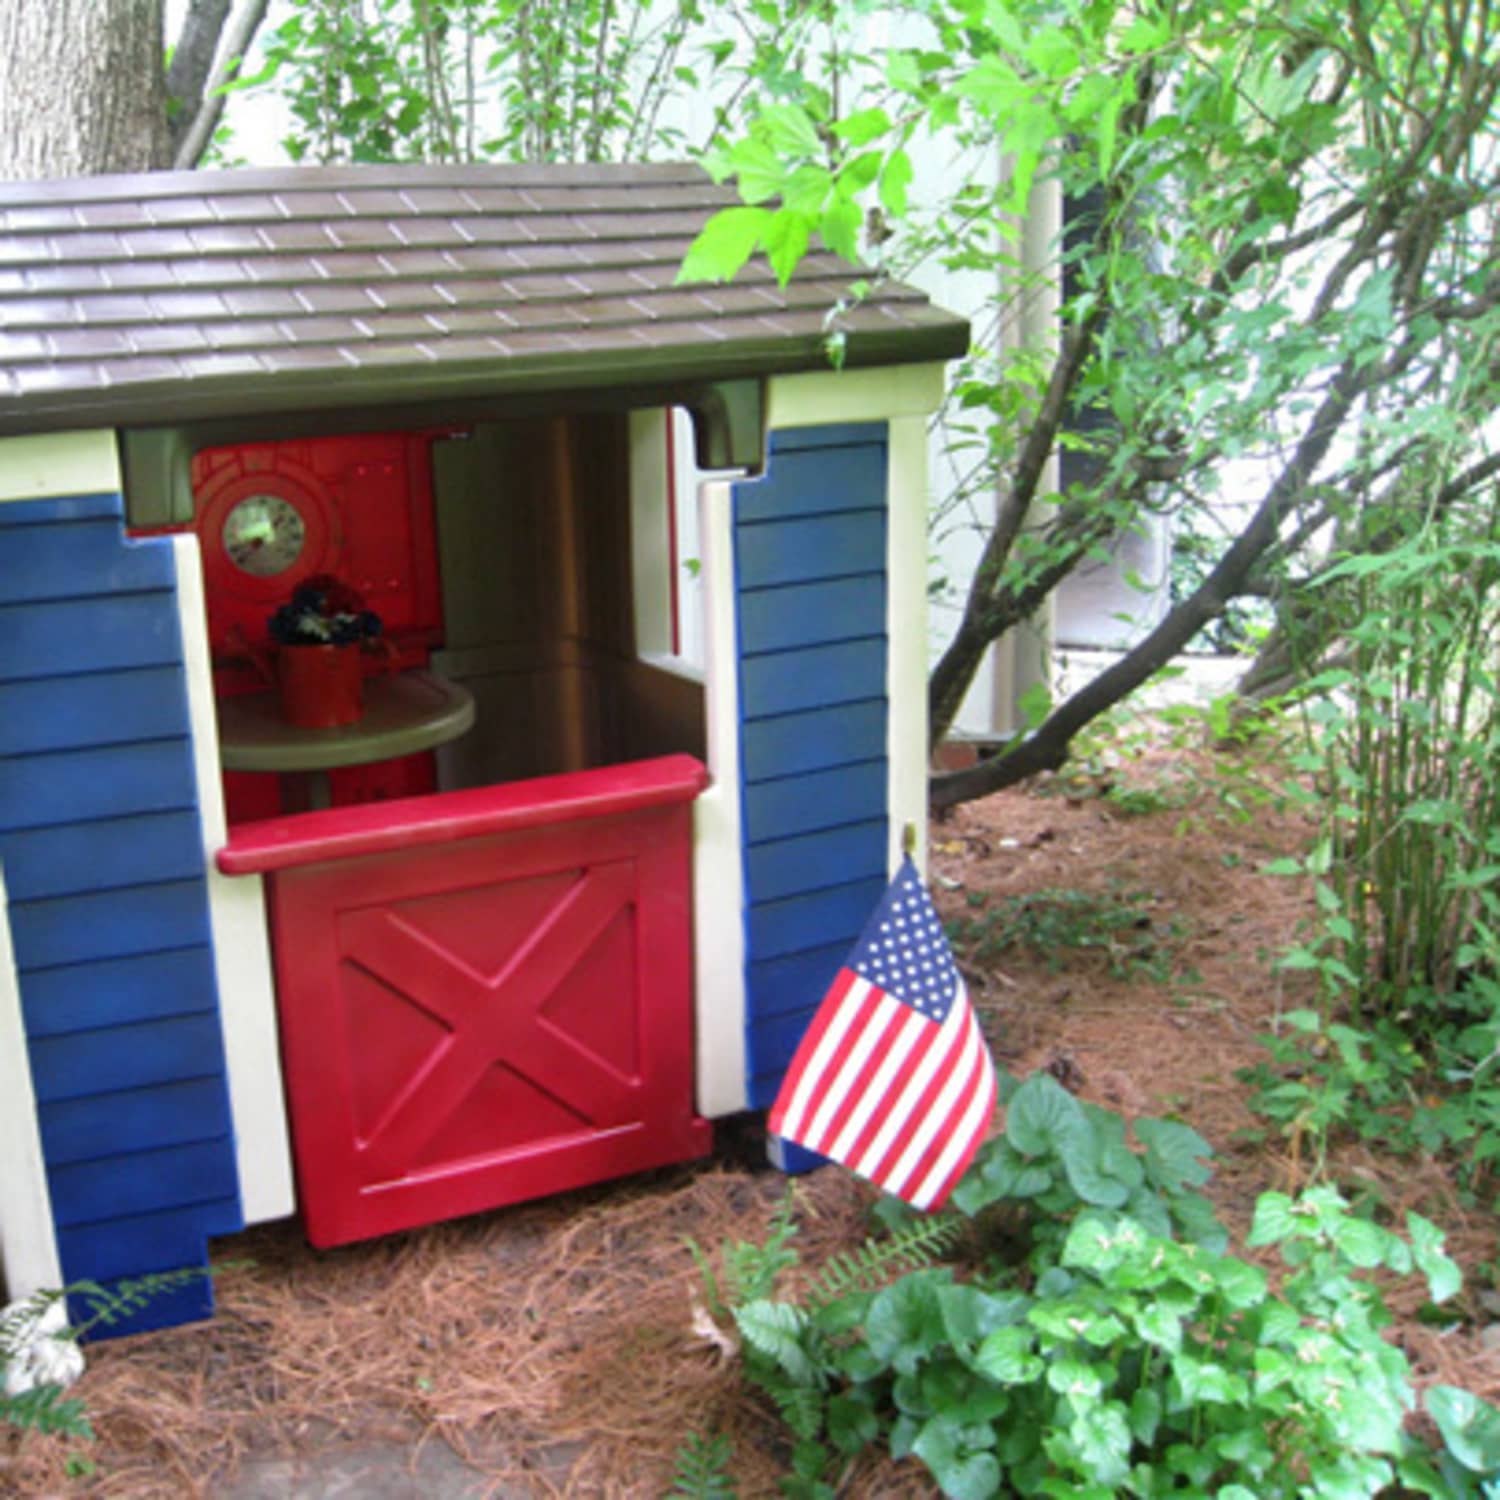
point(875, 1095)
point(911, 1095)
point(887, 1013)
point(810, 1083)
point(973, 1121)
point(916, 1148)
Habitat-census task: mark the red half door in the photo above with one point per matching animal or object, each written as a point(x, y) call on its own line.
point(471, 1023)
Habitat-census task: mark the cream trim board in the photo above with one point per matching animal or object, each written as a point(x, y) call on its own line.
point(28, 1242)
point(718, 872)
point(906, 632)
point(824, 397)
point(242, 950)
point(650, 531)
point(59, 463)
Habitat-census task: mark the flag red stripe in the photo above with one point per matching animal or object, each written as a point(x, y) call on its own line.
point(898, 1086)
point(918, 1112)
point(858, 1078)
point(808, 1046)
point(827, 1080)
point(976, 1140)
point(907, 1033)
point(955, 1113)
point(899, 1111)
point(937, 1118)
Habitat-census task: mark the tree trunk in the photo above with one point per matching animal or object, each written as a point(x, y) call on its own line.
point(81, 88)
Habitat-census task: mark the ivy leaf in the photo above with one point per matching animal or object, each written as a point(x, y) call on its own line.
point(1102, 1437)
point(1173, 1152)
point(1443, 1277)
point(1075, 1378)
point(999, 1173)
point(1145, 1416)
point(1362, 1243)
point(905, 1321)
point(961, 1475)
point(1470, 1427)
point(1273, 1221)
point(1043, 1118)
point(1240, 1284)
point(1007, 1356)
point(1159, 1325)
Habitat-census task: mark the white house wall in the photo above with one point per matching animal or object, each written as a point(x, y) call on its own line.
point(242, 951)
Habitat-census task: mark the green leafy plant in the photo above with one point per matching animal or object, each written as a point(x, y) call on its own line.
point(1082, 1348)
point(702, 1470)
point(1121, 925)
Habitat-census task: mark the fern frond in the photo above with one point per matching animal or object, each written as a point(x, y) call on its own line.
point(915, 1245)
point(702, 1469)
point(713, 1299)
point(747, 1272)
point(108, 1305)
point(43, 1409)
point(774, 1329)
point(801, 1408)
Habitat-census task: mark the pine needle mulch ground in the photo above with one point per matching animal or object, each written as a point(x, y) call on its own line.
point(1114, 930)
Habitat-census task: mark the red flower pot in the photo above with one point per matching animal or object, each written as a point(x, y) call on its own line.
point(320, 686)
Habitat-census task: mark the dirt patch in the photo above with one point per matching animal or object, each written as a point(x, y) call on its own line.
point(1114, 928)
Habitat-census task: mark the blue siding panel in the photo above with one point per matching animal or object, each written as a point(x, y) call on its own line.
point(806, 551)
point(810, 544)
point(110, 1252)
point(787, 867)
point(131, 1120)
point(797, 923)
point(820, 799)
point(111, 992)
point(172, 1177)
point(67, 713)
point(50, 561)
point(773, 1040)
point(62, 510)
point(104, 860)
point(815, 741)
point(831, 435)
point(127, 1057)
point(109, 924)
point(88, 635)
point(37, 790)
point(787, 682)
point(826, 480)
point(808, 614)
point(77, 857)
point(780, 985)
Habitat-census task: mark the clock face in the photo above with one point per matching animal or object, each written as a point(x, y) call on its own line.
point(264, 535)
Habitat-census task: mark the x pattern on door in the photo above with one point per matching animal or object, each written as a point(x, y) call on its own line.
point(476, 1023)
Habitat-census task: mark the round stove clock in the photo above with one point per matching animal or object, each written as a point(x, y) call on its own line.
point(264, 535)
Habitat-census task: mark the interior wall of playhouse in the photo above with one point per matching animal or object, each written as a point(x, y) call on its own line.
point(535, 561)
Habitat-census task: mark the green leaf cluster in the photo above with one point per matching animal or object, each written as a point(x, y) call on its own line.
point(1098, 1354)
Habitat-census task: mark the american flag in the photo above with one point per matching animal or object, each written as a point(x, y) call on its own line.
point(893, 1078)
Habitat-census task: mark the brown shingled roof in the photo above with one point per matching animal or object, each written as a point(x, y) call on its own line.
point(139, 299)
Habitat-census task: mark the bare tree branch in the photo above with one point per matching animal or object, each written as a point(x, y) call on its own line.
point(198, 132)
point(192, 62)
